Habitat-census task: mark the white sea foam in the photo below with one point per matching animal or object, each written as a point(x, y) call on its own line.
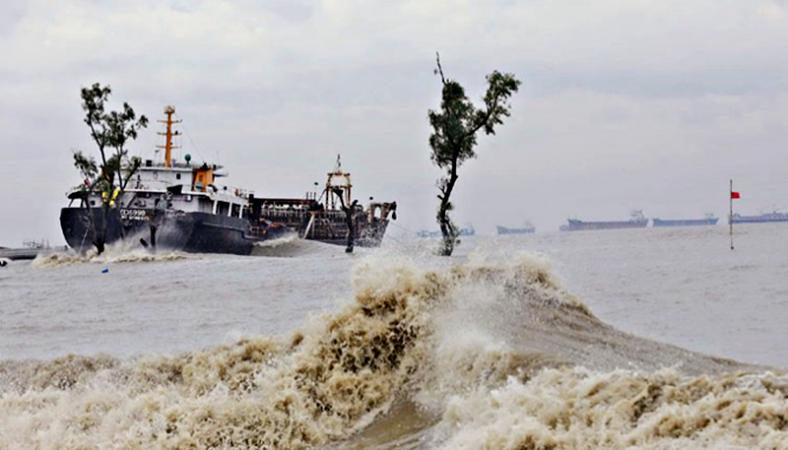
point(494, 356)
point(292, 246)
point(113, 254)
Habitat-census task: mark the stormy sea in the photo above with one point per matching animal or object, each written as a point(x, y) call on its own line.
point(621, 339)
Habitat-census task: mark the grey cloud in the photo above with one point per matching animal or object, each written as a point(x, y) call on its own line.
point(13, 12)
point(275, 89)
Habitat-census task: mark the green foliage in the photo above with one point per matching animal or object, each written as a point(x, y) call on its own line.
point(455, 126)
point(111, 130)
point(456, 123)
point(86, 165)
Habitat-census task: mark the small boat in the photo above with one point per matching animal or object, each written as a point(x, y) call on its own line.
point(29, 250)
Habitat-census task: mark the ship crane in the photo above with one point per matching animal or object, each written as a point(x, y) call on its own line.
point(338, 187)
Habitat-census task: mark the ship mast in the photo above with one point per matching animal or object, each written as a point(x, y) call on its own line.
point(169, 111)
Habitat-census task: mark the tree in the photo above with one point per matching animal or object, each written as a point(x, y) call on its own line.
point(454, 136)
point(350, 214)
point(111, 131)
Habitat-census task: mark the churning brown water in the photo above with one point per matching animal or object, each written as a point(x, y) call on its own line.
point(393, 348)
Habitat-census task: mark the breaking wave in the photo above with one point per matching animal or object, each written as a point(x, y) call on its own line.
point(113, 254)
point(291, 246)
point(481, 355)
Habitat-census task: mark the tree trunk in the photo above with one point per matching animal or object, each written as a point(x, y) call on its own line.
point(101, 236)
point(91, 226)
point(349, 211)
point(447, 228)
point(351, 230)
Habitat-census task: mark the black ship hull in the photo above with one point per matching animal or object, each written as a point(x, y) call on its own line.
point(192, 232)
point(197, 232)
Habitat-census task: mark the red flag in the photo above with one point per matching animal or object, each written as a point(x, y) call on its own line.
point(735, 194)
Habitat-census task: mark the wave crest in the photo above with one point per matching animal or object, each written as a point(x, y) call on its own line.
point(489, 354)
point(111, 255)
point(571, 408)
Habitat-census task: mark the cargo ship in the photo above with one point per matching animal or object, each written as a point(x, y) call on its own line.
point(761, 218)
point(636, 221)
point(708, 220)
point(467, 231)
point(181, 206)
point(526, 228)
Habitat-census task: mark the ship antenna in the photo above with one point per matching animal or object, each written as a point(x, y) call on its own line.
point(730, 214)
point(169, 111)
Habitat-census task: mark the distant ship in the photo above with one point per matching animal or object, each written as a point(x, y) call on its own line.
point(29, 250)
point(762, 218)
point(708, 220)
point(468, 231)
point(526, 228)
point(638, 220)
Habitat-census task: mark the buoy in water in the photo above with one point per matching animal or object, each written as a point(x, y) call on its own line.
point(105, 271)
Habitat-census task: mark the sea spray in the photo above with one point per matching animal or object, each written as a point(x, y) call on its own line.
point(111, 255)
point(491, 354)
point(290, 246)
point(264, 393)
point(573, 408)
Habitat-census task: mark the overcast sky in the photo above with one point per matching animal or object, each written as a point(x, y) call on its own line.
point(647, 104)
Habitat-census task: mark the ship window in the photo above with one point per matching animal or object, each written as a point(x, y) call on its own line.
point(92, 203)
point(177, 176)
point(222, 208)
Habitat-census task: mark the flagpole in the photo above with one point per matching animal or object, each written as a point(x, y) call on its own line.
point(730, 214)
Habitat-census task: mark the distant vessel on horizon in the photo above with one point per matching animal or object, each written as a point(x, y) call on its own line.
point(761, 218)
point(638, 220)
point(708, 220)
point(526, 228)
point(467, 231)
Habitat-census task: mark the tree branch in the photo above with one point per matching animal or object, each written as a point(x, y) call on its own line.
point(487, 116)
point(440, 69)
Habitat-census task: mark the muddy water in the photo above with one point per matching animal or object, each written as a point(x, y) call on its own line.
point(632, 339)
